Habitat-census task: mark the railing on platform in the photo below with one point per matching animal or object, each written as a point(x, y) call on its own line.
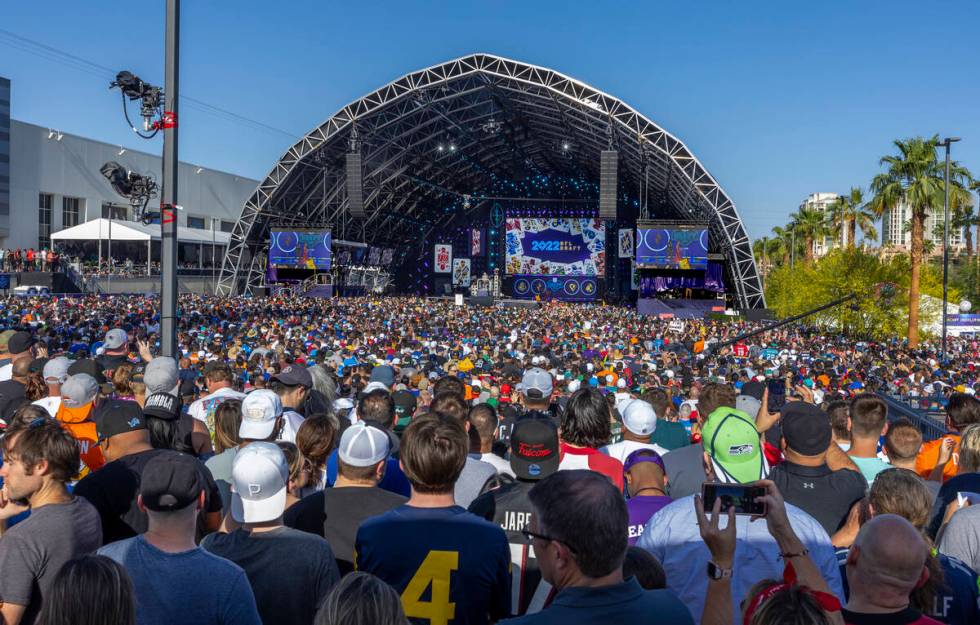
point(925, 412)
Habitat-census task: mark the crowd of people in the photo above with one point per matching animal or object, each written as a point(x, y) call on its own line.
point(29, 259)
point(401, 460)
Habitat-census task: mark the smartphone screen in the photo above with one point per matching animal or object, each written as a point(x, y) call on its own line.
point(741, 496)
point(777, 395)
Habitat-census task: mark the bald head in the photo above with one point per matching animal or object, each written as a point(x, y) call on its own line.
point(21, 368)
point(887, 562)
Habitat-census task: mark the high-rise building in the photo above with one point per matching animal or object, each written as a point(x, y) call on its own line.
point(897, 232)
point(822, 202)
point(4, 156)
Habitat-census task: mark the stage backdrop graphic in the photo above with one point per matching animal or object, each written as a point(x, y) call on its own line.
point(672, 248)
point(627, 247)
point(476, 242)
point(556, 246)
point(300, 249)
point(461, 272)
point(443, 258)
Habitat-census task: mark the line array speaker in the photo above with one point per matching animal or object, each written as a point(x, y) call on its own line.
point(355, 185)
point(608, 171)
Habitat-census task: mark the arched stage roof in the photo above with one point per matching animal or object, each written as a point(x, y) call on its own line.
point(505, 118)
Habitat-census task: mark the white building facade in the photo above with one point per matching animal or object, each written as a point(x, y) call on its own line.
point(896, 231)
point(821, 202)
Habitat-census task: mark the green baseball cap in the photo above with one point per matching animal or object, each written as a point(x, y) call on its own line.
point(730, 438)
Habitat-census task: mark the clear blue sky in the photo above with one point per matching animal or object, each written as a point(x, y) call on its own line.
point(777, 99)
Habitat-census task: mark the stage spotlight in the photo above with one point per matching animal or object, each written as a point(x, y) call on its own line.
point(565, 146)
point(441, 147)
point(452, 147)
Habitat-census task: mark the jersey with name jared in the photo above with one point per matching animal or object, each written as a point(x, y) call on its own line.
point(448, 565)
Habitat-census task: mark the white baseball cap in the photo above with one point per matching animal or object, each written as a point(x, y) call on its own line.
point(574, 385)
point(363, 445)
point(639, 417)
point(259, 477)
point(56, 370)
point(260, 408)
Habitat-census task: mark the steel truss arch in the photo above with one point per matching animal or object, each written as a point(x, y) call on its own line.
point(400, 125)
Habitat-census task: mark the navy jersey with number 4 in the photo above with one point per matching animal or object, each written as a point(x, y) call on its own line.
point(450, 566)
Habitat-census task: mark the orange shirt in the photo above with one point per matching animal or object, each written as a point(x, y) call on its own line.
point(925, 462)
point(76, 421)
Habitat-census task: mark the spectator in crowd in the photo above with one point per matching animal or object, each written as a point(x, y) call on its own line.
point(639, 423)
point(261, 421)
point(78, 395)
point(939, 458)
point(483, 421)
point(646, 483)
point(670, 434)
point(227, 422)
point(804, 478)
point(39, 459)
point(20, 346)
point(576, 531)
point(405, 406)
point(431, 541)
point(172, 429)
point(885, 564)
point(114, 489)
point(840, 428)
point(116, 346)
point(14, 391)
point(732, 454)
point(902, 445)
point(292, 385)
point(536, 390)
point(361, 599)
point(647, 570)
point(91, 590)
point(299, 472)
point(55, 373)
point(174, 580)
point(219, 380)
point(315, 439)
point(869, 422)
point(534, 456)
point(685, 466)
point(336, 513)
point(584, 429)
point(475, 474)
point(966, 480)
point(290, 571)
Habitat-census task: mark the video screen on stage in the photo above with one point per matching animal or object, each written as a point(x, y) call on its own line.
point(556, 246)
point(672, 247)
point(300, 249)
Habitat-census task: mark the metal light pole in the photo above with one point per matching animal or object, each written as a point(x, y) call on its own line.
point(168, 216)
point(942, 347)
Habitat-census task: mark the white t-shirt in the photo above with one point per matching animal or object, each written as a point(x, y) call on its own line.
point(51, 404)
point(204, 408)
point(6, 371)
point(622, 449)
point(291, 420)
point(501, 465)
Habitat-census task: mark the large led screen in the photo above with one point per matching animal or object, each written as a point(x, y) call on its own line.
point(300, 249)
point(555, 246)
point(672, 248)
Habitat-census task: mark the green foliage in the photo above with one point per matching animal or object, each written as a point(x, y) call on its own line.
point(791, 291)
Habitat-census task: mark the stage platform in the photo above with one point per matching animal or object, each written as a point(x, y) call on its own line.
point(486, 301)
point(679, 308)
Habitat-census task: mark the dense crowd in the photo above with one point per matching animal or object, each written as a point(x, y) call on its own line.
point(29, 259)
point(384, 461)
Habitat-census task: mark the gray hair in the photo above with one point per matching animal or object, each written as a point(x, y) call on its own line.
point(361, 599)
point(323, 383)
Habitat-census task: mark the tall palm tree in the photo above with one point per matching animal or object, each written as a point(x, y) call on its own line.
point(809, 224)
point(783, 243)
point(964, 218)
point(848, 213)
point(914, 177)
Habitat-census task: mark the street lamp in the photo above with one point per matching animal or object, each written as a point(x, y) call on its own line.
point(942, 347)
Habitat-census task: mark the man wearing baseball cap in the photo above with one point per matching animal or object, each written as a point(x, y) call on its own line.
point(335, 513)
point(78, 395)
point(639, 423)
point(174, 580)
point(19, 347)
point(55, 374)
point(292, 385)
point(804, 478)
point(732, 455)
point(116, 346)
point(535, 389)
point(113, 489)
point(290, 571)
point(533, 456)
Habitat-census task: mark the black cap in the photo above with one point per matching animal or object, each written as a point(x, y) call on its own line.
point(118, 416)
point(162, 406)
point(295, 375)
point(405, 405)
point(37, 365)
point(806, 428)
point(171, 481)
point(89, 366)
point(753, 389)
point(534, 448)
point(20, 342)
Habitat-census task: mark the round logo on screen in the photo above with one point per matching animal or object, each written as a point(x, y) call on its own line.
point(537, 286)
point(521, 286)
point(571, 287)
point(287, 241)
point(588, 287)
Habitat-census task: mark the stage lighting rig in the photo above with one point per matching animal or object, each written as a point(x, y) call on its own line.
point(492, 126)
point(137, 188)
point(151, 103)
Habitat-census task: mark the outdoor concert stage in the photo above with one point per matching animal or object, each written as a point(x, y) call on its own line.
point(486, 166)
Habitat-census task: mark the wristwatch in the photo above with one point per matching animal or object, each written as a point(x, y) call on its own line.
point(716, 573)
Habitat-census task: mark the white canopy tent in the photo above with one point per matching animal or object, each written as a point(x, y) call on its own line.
point(110, 230)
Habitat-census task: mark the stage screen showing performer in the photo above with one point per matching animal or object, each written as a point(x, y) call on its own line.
point(676, 247)
point(555, 246)
point(300, 249)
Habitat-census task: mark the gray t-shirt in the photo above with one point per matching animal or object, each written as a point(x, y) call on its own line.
point(291, 571)
point(191, 587)
point(220, 468)
point(33, 551)
point(961, 537)
point(685, 471)
point(472, 480)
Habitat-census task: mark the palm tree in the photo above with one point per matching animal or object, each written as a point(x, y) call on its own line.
point(848, 213)
point(964, 218)
point(914, 177)
point(785, 239)
point(809, 224)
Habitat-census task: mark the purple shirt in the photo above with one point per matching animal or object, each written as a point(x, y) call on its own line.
point(641, 508)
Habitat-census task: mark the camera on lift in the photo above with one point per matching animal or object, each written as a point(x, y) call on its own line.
point(138, 188)
point(150, 97)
